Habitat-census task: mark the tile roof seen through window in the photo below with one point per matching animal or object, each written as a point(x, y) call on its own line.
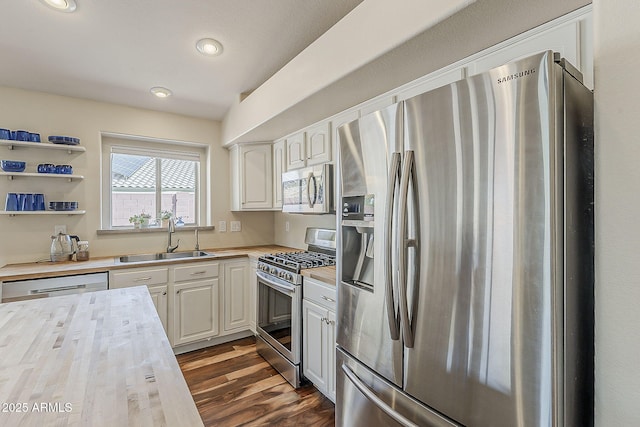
point(138, 173)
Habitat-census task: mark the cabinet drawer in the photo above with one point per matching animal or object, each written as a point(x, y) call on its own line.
point(195, 271)
point(124, 279)
point(320, 293)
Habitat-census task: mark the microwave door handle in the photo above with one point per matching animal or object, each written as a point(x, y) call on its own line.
point(310, 178)
point(392, 317)
point(407, 172)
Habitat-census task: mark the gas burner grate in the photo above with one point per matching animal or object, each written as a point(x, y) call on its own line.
point(300, 260)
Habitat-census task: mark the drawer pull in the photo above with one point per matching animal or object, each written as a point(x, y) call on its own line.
point(142, 279)
point(195, 273)
point(326, 298)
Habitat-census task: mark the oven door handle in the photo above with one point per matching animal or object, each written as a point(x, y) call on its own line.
point(284, 287)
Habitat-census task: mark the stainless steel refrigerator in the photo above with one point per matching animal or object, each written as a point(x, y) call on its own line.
point(466, 254)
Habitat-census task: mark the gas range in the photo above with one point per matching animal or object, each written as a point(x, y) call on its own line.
point(288, 265)
point(279, 301)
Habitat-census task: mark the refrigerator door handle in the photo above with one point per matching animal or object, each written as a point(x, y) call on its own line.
point(392, 317)
point(408, 172)
point(381, 404)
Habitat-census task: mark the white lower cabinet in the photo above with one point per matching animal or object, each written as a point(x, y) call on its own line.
point(253, 290)
point(156, 279)
point(236, 295)
point(194, 308)
point(197, 301)
point(160, 301)
point(318, 336)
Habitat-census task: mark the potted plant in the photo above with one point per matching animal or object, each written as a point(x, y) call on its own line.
point(135, 220)
point(165, 216)
point(145, 217)
point(140, 220)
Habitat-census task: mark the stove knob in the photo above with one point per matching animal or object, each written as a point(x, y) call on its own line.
point(272, 270)
point(290, 277)
point(282, 274)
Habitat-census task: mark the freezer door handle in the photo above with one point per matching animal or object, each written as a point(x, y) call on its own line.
point(408, 173)
point(392, 317)
point(381, 404)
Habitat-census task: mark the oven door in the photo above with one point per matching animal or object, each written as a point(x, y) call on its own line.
point(278, 315)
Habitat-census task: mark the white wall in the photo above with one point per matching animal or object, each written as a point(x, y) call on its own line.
point(298, 224)
point(25, 239)
point(617, 111)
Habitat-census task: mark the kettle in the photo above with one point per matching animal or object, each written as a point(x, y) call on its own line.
point(63, 247)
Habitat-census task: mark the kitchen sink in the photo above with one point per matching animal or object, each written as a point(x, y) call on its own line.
point(160, 256)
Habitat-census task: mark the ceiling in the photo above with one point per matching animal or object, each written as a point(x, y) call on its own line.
point(116, 50)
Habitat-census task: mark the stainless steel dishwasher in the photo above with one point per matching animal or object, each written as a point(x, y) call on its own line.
point(20, 290)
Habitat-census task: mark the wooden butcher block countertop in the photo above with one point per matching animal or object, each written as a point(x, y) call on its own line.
point(324, 274)
point(92, 359)
point(39, 270)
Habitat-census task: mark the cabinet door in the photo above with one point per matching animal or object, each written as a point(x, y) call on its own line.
point(296, 154)
point(159, 297)
point(331, 356)
point(236, 296)
point(314, 339)
point(278, 168)
point(195, 310)
point(256, 176)
point(253, 289)
point(318, 144)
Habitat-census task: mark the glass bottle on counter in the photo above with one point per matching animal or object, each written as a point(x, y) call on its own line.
point(83, 251)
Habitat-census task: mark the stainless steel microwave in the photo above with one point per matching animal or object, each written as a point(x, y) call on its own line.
point(308, 190)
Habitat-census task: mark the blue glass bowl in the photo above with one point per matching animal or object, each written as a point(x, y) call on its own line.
point(12, 166)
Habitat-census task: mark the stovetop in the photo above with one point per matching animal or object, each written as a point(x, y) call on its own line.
point(286, 266)
point(297, 261)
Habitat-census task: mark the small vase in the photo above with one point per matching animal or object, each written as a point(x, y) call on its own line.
point(144, 223)
point(165, 223)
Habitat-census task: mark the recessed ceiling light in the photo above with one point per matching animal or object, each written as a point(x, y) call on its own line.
point(61, 5)
point(209, 47)
point(160, 92)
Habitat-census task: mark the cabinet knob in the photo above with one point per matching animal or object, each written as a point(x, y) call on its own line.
point(178, 291)
point(164, 293)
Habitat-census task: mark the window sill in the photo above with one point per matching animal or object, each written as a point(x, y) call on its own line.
point(153, 230)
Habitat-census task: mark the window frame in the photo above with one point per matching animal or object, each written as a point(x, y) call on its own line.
point(157, 149)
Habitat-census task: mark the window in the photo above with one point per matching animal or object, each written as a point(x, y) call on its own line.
point(151, 179)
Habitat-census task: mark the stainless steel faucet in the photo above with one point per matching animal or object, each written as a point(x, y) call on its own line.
point(172, 229)
point(197, 248)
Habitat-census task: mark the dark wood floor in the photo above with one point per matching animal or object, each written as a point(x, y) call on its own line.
point(233, 386)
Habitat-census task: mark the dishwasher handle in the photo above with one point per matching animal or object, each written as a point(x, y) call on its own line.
point(58, 289)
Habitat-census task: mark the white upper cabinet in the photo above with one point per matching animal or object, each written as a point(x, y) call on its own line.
point(296, 151)
point(431, 82)
point(318, 144)
point(567, 38)
point(279, 157)
point(311, 147)
point(251, 177)
point(336, 122)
